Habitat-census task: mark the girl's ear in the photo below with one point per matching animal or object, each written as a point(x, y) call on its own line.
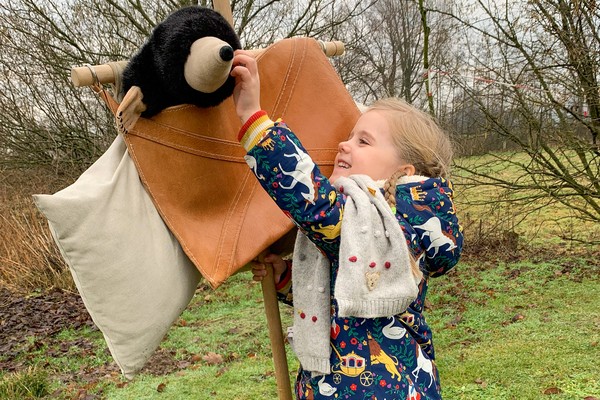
point(407, 169)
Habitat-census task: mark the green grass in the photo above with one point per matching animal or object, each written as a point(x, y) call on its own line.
point(520, 334)
point(32, 383)
point(539, 221)
point(502, 331)
point(231, 323)
point(490, 211)
point(244, 379)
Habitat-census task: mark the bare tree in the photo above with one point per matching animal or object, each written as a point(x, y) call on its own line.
point(532, 73)
point(43, 118)
point(260, 23)
point(390, 48)
point(384, 52)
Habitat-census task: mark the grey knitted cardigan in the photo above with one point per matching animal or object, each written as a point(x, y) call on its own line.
point(374, 277)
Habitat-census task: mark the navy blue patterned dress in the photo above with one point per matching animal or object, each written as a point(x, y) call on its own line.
point(380, 358)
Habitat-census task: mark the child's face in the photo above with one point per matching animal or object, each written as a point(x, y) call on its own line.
point(369, 150)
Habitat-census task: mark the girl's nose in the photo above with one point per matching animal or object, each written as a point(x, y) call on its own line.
point(343, 147)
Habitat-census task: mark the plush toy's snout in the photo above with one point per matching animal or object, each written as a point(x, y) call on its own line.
point(208, 65)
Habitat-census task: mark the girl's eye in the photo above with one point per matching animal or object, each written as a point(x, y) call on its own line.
point(362, 141)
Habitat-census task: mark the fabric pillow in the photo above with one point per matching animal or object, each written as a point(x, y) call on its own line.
point(131, 272)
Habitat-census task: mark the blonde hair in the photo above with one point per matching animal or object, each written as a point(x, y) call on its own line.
point(418, 138)
point(419, 141)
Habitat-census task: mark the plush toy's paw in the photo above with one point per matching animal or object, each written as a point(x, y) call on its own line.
point(130, 109)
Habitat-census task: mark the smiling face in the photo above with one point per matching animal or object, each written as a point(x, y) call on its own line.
point(369, 150)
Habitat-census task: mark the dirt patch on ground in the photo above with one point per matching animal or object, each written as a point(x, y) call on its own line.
point(28, 323)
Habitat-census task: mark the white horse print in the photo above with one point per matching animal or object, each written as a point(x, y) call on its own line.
point(301, 174)
point(433, 228)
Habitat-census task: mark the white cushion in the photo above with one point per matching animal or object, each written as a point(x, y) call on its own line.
point(131, 272)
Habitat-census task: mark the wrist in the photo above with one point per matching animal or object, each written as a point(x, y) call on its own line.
point(249, 122)
point(286, 276)
point(246, 115)
point(253, 129)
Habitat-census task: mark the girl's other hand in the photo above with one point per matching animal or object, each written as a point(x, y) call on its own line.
point(246, 94)
point(259, 270)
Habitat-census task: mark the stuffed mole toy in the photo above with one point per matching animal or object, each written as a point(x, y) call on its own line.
point(186, 60)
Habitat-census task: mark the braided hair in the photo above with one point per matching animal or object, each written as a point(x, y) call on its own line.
point(389, 188)
point(389, 193)
point(420, 142)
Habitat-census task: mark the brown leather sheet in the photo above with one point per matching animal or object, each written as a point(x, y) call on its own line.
point(193, 167)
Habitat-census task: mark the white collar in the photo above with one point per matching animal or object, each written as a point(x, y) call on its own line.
point(403, 179)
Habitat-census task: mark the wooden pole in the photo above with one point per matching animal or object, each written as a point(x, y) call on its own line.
point(105, 73)
point(223, 8)
point(282, 374)
point(92, 74)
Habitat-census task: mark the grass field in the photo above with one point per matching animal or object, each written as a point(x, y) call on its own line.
point(524, 330)
point(519, 318)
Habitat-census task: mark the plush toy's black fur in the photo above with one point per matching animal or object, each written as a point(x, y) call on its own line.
point(158, 66)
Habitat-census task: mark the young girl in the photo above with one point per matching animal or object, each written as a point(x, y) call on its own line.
point(359, 331)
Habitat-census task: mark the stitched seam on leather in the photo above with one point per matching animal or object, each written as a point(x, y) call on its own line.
point(316, 153)
point(230, 212)
point(203, 138)
point(113, 106)
point(235, 144)
point(297, 73)
point(266, 51)
point(287, 75)
point(238, 231)
point(168, 222)
point(190, 150)
point(177, 108)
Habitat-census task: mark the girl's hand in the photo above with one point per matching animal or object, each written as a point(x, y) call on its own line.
point(246, 94)
point(259, 270)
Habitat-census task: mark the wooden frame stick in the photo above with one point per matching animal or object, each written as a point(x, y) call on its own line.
point(282, 374)
point(223, 8)
point(105, 73)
